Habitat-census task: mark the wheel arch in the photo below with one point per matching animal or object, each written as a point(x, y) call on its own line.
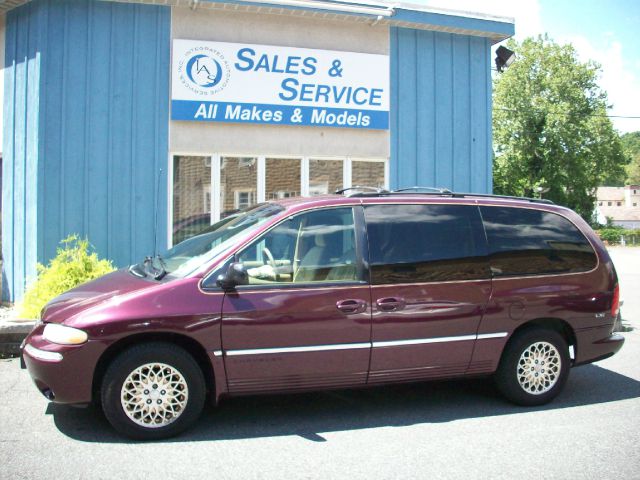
point(556, 324)
point(191, 346)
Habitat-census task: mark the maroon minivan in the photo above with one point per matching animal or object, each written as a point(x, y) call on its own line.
point(333, 292)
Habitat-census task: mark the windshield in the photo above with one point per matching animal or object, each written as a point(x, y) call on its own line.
point(187, 256)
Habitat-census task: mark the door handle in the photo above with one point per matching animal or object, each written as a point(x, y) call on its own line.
point(391, 304)
point(351, 306)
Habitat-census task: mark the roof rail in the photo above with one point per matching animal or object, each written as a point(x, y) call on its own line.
point(435, 191)
point(374, 190)
point(441, 190)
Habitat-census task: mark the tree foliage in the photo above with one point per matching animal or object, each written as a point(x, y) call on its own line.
point(631, 147)
point(550, 127)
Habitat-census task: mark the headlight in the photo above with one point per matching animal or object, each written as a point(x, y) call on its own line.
point(55, 333)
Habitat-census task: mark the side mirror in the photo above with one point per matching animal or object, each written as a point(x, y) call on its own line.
point(235, 275)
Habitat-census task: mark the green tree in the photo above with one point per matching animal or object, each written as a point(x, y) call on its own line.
point(631, 147)
point(550, 127)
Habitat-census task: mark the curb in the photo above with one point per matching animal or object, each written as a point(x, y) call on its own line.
point(11, 335)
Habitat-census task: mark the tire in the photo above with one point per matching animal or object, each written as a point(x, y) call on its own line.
point(523, 381)
point(138, 410)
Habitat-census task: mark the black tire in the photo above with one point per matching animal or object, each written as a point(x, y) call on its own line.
point(552, 380)
point(137, 356)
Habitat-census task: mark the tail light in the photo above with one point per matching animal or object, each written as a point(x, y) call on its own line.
point(615, 303)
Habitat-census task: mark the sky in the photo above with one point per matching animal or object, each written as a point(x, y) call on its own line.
point(606, 31)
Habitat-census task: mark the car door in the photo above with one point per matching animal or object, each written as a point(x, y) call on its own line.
point(430, 284)
point(304, 319)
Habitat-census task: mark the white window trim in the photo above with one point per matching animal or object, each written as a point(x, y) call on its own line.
point(260, 191)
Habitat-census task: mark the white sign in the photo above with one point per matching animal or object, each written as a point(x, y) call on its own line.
point(244, 83)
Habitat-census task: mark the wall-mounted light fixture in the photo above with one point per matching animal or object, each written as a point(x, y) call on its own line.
point(504, 58)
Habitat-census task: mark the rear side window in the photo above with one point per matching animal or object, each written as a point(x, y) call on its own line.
point(425, 243)
point(532, 242)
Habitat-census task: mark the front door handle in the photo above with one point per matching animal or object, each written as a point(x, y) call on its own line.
point(390, 304)
point(351, 306)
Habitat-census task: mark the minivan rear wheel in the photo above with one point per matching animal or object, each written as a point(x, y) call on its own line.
point(152, 391)
point(534, 367)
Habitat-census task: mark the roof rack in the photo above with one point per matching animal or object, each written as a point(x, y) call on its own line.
point(436, 191)
point(374, 190)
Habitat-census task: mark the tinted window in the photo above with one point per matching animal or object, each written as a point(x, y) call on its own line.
point(425, 243)
point(529, 242)
point(317, 246)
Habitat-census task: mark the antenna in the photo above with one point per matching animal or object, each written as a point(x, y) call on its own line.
point(155, 220)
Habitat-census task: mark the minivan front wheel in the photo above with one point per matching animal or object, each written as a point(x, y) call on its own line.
point(534, 367)
point(152, 391)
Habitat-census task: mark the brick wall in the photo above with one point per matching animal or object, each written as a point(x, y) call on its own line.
point(191, 178)
point(236, 174)
point(370, 174)
point(327, 172)
point(282, 175)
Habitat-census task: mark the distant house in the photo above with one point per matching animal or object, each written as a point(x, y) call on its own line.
point(621, 204)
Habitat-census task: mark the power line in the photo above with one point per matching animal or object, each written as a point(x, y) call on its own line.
point(570, 114)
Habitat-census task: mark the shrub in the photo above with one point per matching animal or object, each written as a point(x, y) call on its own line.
point(611, 235)
point(73, 265)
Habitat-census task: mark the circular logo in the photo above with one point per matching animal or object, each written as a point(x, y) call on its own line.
point(204, 71)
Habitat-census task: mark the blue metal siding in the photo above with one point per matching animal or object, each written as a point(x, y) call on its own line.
point(20, 149)
point(440, 110)
point(111, 64)
point(98, 135)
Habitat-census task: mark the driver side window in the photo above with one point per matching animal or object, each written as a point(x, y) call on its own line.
point(317, 246)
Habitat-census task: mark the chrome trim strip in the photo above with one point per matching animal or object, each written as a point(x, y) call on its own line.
point(348, 346)
point(312, 348)
point(42, 354)
point(484, 336)
point(421, 341)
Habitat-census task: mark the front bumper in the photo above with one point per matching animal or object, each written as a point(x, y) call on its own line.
point(62, 373)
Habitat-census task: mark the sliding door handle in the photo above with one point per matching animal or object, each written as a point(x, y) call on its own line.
point(390, 304)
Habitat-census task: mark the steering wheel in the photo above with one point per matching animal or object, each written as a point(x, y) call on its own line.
point(272, 262)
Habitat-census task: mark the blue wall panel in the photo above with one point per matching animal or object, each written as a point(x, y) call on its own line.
point(88, 95)
point(20, 149)
point(440, 110)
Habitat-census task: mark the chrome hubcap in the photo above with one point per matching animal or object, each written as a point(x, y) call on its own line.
point(154, 395)
point(539, 368)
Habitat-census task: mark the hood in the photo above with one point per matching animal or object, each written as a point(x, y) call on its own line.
point(91, 294)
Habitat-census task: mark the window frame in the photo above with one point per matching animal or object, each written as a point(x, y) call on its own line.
point(361, 250)
point(214, 160)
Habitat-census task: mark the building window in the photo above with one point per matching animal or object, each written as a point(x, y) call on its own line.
point(325, 176)
point(608, 204)
point(207, 188)
point(243, 199)
point(599, 204)
point(370, 173)
point(191, 196)
point(238, 184)
point(282, 178)
point(635, 204)
point(619, 204)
